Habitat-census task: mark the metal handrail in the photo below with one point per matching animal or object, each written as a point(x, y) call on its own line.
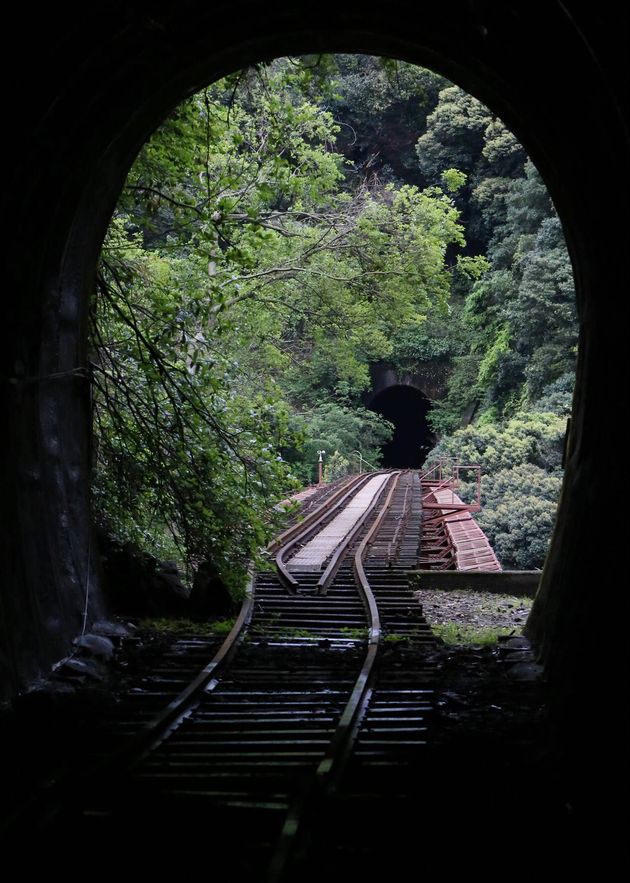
point(362, 460)
point(443, 484)
point(452, 481)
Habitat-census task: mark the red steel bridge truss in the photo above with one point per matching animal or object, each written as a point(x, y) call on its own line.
point(451, 538)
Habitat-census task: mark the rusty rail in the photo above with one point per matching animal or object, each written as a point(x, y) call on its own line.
point(181, 751)
point(154, 731)
point(335, 562)
point(205, 682)
point(284, 537)
point(340, 746)
point(303, 532)
point(393, 545)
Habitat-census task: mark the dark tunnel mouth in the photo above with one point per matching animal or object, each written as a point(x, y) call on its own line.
point(407, 408)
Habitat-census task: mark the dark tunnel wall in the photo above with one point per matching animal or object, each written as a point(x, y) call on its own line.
point(407, 408)
point(89, 88)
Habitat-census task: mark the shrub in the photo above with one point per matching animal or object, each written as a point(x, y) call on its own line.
point(521, 481)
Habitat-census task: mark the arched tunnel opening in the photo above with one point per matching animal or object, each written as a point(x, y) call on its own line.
point(95, 106)
point(407, 408)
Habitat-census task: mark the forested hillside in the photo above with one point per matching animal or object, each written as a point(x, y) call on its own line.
point(285, 228)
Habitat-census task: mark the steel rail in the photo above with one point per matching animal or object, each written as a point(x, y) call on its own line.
point(59, 788)
point(392, 547)
point(172, 714)
point(341, 742)
point(320, 515)
point(204, 682)
point(331, 765)
point(335, 562)
point(283, 538)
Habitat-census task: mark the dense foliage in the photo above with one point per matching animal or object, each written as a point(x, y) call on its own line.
point(514, 373)
point(521, 476)
point(283, 230)
point(248, 279)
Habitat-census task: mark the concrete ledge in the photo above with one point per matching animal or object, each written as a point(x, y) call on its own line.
point(506, 582)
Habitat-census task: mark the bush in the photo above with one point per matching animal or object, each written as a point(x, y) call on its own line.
point(518, 514)
point(340, 431)
point(535, 438)
point(337, 467)
point(521, 480)
point(519, 531)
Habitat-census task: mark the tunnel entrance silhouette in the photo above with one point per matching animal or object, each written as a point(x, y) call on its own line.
point(407, 408)
point(95, 106)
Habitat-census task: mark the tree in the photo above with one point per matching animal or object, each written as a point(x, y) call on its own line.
point(381, 106)
point(518, 514)
point(339, 429)
point(185, 462)
point(244, 277)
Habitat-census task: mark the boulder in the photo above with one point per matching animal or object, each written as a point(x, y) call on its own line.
point(525, 671)
point(95, 645)
point(168, 592)
point(83, 669)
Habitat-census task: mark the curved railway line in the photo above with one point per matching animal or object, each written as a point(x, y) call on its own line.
point(319, 697)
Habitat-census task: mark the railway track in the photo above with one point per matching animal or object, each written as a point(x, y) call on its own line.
point(319, 699)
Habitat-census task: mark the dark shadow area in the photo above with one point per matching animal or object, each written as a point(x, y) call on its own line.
point(407, 409)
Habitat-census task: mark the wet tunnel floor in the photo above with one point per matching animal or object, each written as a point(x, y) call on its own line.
point(407, 408)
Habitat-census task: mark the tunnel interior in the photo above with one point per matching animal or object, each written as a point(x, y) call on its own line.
point(407, 408)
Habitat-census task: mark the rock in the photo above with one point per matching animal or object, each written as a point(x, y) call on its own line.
point(516, 644)
point(74, 667)
point(519, 656)
point(210, 595)
point(95, 645)
point(46, 700)
point(455, 698)
point(47, 692)
point(167, 589)
point(112, 629)
point(525, 671)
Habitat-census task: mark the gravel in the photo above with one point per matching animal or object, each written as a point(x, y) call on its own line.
point(469, 613)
